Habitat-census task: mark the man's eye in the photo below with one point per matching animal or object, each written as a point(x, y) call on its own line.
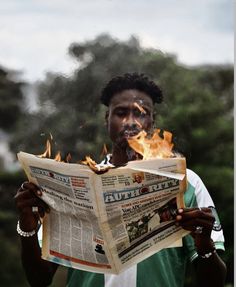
point(120, 113)
point(141, 114)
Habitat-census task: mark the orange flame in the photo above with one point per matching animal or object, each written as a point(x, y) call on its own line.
point(154, 147)
point(58, 156)
point(90, 162)
point(94, 166)
point(138, 123)
point(47, 152)
point(140, 108)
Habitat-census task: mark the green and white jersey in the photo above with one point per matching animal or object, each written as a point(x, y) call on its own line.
point(163, 269)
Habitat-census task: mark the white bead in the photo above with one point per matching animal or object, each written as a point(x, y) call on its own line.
point(24, 233)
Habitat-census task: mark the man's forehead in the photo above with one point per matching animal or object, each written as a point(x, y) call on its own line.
point(131, 96)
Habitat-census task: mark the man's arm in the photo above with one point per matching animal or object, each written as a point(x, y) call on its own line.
point(210, 272)
point(210, 268)
point(38, 271)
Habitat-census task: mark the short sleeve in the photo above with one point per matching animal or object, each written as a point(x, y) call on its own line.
point(197, 195)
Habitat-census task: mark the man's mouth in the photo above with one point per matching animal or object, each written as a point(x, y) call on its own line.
point(124, 135)
point(129, 133)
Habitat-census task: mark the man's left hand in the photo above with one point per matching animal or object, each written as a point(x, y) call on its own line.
point(197, 220)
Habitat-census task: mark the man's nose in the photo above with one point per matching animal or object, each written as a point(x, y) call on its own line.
point(130, 120)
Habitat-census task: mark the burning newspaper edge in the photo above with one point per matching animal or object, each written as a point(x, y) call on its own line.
point(97, 168)
point(148, 146)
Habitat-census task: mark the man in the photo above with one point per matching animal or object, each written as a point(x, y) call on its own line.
point(130, 100)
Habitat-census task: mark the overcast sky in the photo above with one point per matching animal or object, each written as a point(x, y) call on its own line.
point(35, 35)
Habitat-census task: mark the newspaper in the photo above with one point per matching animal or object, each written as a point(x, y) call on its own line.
point(106, 223)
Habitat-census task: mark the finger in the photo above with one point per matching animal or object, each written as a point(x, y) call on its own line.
point(29, 186)
point(22, 186)
point(206, 214)
point(43, 206)
point(191, 224)
point(206, 228)
point(30, 212)
point(25, 194)
point(39, 213)
point(27, 203)
point(189, 209)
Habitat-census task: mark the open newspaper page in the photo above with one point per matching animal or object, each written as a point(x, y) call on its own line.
point(138, 208)
point(71, 232)
point(106, 223)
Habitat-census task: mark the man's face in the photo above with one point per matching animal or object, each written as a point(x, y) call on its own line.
point(129, 112)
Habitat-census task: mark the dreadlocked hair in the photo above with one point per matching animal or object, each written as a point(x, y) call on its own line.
point(133, 81)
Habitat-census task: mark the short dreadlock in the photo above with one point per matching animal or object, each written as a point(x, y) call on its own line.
point(129, 81)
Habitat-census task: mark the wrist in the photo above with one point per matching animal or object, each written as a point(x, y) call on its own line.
point(23, 233)
point(204, 245)
point(208, 254)
point(28, 222)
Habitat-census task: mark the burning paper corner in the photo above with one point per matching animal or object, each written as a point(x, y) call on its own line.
point(154, 147)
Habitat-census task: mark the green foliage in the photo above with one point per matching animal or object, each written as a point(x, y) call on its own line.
point(11, 271)
point(197, 108)
point(11, 101)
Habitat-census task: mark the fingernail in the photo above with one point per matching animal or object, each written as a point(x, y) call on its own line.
point(178, 217)
point(39, 192)
point(180, 210)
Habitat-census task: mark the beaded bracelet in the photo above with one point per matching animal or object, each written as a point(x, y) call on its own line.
point(24, 233)
point(207, 255)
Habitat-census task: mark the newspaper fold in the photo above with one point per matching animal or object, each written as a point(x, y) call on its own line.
point(106, 223)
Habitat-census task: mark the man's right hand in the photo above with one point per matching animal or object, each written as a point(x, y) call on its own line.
point(28, 196)
point(39, 272)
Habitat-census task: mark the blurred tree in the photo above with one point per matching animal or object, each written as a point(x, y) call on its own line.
point(11, 271)
point(11, 100)
point(197, 108)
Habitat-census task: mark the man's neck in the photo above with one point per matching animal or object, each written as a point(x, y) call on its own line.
point(120, 156)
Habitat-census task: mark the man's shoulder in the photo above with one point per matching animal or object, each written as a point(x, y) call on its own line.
point(193, 178)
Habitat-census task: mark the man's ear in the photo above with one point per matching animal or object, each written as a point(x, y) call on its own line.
point(106, 117)
point(153, 118)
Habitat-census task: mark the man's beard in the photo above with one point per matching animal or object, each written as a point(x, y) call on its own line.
point(124, 135)
point(122, 142)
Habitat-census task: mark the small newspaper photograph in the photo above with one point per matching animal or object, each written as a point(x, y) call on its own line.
point(108, 222)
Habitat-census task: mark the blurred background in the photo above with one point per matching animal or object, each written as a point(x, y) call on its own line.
point(56, 56)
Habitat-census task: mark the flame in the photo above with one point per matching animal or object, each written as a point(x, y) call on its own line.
point(154, 147)
point(94, 166)
point(90, 162)
point(142, 111)
point(68, 158)
point(58, 156)
point(138, 124)
point(47, 152)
